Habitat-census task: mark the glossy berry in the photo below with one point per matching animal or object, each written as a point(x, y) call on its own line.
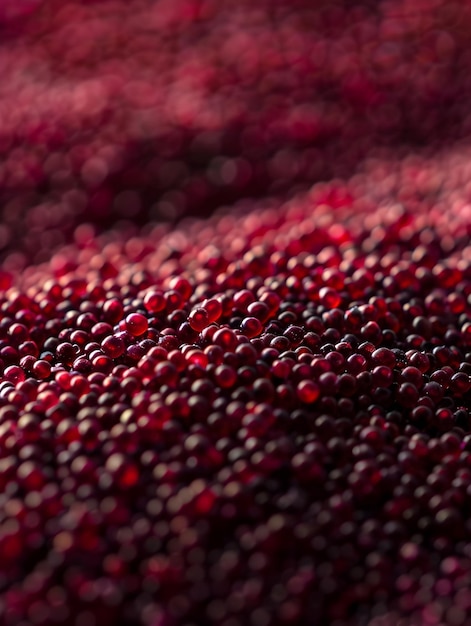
point(198, 319)
point(308, 391)
point(154, 301)
point(251, 327)
point(113, 346)
point(41, 369)
point(136, 324)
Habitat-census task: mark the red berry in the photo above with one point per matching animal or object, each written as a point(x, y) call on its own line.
point(136, 324)
point(308, 392)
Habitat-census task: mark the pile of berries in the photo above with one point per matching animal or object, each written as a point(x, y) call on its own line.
point(258, 415)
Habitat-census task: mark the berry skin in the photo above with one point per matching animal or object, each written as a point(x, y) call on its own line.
point(41, 369)
point(308, 391)
point(113, 346)
point(198, 319)
point(136, 324)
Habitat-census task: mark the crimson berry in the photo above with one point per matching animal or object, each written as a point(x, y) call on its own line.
point(14, 374)
point(308, 392)
point(251, 327)
point(41, 369)
point(407, 394)
point(225, 338)
point(154, 301)
point(113, 311)
point(198, 319)
point(113, 346)
point(383, 356)
point(136, 324)
point(225, 376)
point(213, 308)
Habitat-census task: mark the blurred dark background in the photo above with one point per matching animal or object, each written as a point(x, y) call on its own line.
point(124, 113)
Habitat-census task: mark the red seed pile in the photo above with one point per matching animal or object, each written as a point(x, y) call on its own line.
point(259, 417)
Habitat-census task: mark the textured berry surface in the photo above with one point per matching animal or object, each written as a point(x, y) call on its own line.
point(259, 415)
